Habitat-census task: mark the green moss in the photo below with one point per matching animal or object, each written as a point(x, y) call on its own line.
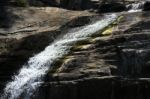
point(3, 48)
point(83, 45)
point(120, 18)
point(108, 29)
point(58, 63)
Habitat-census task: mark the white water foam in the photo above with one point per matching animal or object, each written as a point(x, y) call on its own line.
point(26, 82)
point(136, 7)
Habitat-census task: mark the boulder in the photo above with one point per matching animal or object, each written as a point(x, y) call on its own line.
point(147, 6)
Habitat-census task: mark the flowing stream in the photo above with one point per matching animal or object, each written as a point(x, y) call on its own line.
point(136, 7)
point(30, 75)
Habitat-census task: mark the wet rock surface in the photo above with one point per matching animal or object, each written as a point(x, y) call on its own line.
point(27, 35)
point(111, 66)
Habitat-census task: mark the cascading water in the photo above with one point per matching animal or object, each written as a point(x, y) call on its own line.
point(135, 7)
point(32, 73)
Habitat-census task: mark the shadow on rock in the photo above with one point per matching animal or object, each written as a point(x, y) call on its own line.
point(7, 18)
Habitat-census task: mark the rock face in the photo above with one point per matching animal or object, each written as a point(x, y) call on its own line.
point(27, 35)
point(104, 88)
point(112, 64)
point(109, 66)
point(147, 6)
point(93, 5)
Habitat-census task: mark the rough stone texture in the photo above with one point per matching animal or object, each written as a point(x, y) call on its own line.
point(115, 66)
point(29, 33)
point(75, 4)
point(108, 65)
point(96, 88)
point(33, 19)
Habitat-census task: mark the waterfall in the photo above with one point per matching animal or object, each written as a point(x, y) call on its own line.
point(135, 7)
point(30, 75)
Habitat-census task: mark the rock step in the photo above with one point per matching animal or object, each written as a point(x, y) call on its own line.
point(136, 44)
point(135, 36)
point(112, 62)
point(136, 31)
point(107, 57)
point(106, 49)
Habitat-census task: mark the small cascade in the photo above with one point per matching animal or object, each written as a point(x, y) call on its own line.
point(30, 76)
point(135, 7)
